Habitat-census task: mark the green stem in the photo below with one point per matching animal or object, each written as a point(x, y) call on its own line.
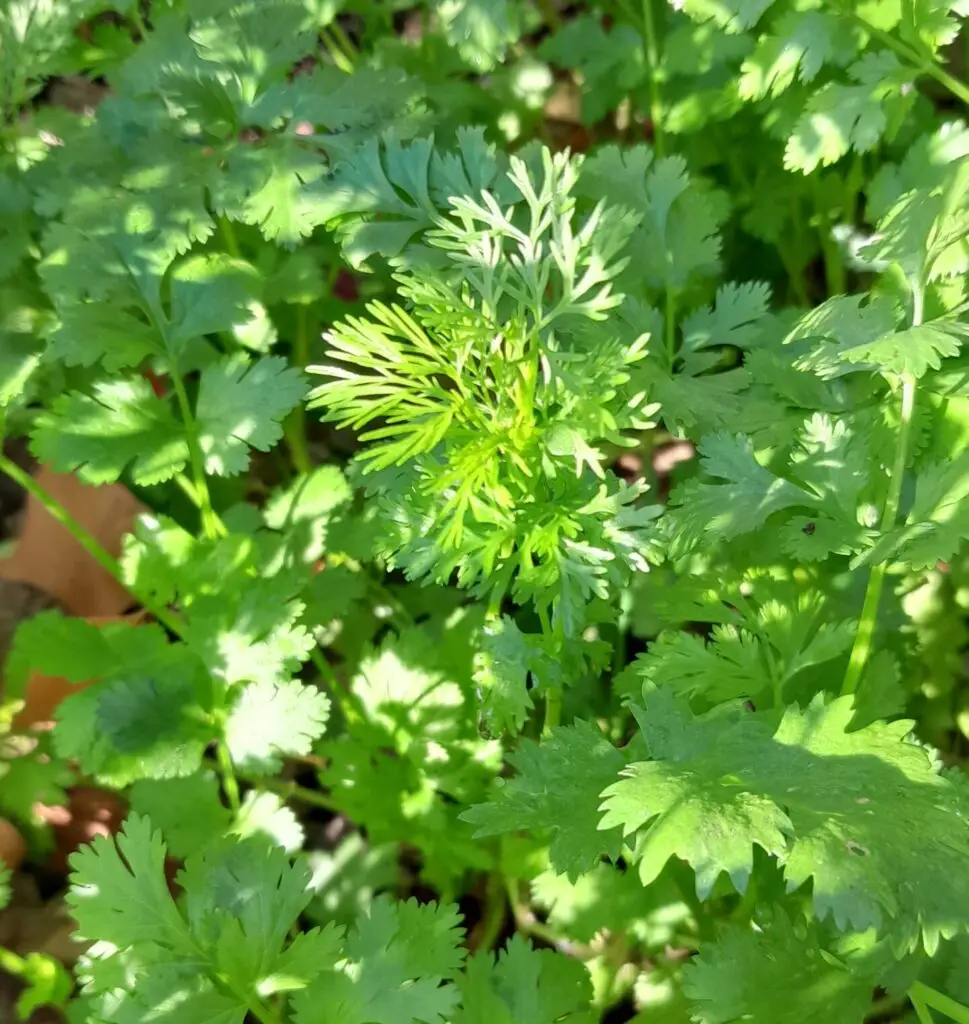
point(869, 612)
point(834, 268)
point(295, 429)
point(210, 522)
point(922, 63)
point(229, 237)
point(652, 58)
point(139, 22)
point(553, 709)
point(335, 53)
point(293, 791)
point(229, 781)
point(670, 324)
point(928, 996)
point(495, 910)
point(186, 486)
point(342, 40)
point(108, 562)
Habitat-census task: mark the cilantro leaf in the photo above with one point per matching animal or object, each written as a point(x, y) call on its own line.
point(123, 424)
point(749, 975)
point(241, 405)
point(557, 788)
point(187, 811)
point(522, 983)
point(401, 961)
point(860, 814)
point(270, 721)
point(746, 496)
point(501, 675)
point(840, 117)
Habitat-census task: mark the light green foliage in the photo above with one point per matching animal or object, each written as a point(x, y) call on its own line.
point(557, 787)
point(710, 801)
point(537, 273)
point(551, 429)
point(224, 949)
point(751, 973)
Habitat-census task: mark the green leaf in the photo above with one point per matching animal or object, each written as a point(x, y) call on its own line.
point(731, 15)
point(138, 725)
point(265, 815)
point(524, 984)
point(840, 117)
point(122, 424)
point(798, 46)
point(77, 650)
point(557, 788)
point(750, 975)
point(678, 234)
point(270, 721)
point(745, 497)
point(88, 332)
point(211, 293)
point(213, 957)
point(241, 406)
point(186, 810)
point(610, 61)
point(730, 667)
point(119, 893)
point(501, 668)
point(398, 956)
point(733, 319)
point(864, 815)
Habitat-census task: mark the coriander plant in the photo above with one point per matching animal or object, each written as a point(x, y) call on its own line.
point(552, 430)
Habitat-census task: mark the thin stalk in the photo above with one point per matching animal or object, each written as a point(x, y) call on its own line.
point(229, 781)
point(923, 1013)
point(293, 791)
point(345, 697)
point(495, 912)
point(670, 324)
point(553, 699)
point(229, 237)
point(652, 58)
point(834, 268)
point(139, 22)
point(861, 649)
point(553, 709)
point(210, 522)
point(188, 488)
point(107, 561)
point(921, 62)
point(929, 996)
point(335, 53)
point(344, 42)
point(295, 429)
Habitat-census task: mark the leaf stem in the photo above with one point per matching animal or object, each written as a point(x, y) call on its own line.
point(296, 424)
point(107, 561)
point(921, 63)
point(651, 41)
point(229, 781)
point(229, 237)
point(923, 994)
point(211, 525)
point(495, 912)
point(294, 791)
point(861, 649)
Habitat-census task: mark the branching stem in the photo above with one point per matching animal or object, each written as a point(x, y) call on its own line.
point(864, 638)
point(925, 996)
